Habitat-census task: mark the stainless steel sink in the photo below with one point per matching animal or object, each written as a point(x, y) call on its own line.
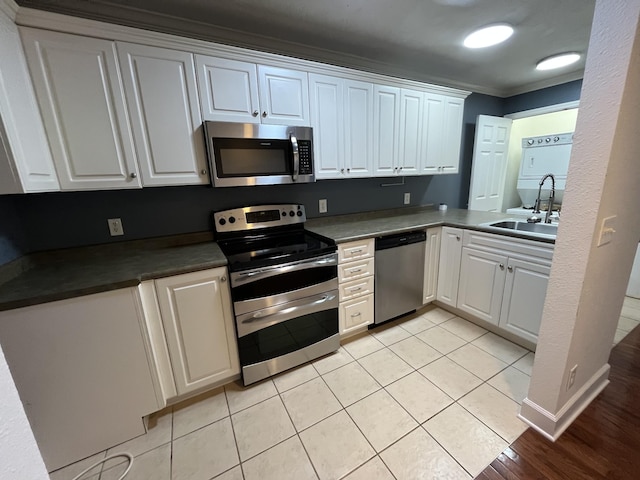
point(544, 230)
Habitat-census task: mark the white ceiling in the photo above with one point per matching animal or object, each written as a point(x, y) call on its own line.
point(418, 39)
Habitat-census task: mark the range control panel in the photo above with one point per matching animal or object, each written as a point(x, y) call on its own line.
point(262, 216)
point(546, 140)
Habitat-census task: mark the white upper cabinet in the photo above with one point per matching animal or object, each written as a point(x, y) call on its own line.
point(162, 97)
point(327, 121)
point(386, 128)
point(25, 159)
point(443, 117)
point(410, 138)
point(77, 83)
point(358, 128)
point(342, 121)
point(229, 90)
point(284, 96)
point(237, 91)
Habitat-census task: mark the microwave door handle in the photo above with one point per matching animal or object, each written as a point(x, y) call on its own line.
point(296, 158)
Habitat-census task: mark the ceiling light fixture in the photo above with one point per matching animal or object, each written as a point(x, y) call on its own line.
point(557, 61)
point(488, 36)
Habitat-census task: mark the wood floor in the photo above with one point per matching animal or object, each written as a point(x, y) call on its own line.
point(604, 441)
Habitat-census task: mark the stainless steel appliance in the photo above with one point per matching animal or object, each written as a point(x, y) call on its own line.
point(243, 154)
point(284, 287)
point(399, 274)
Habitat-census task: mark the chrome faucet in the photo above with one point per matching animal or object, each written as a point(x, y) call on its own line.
point(552, 196)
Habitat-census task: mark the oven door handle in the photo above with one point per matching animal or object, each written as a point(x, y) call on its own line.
point(240, 278)
point(296, 158)
point(253, 321)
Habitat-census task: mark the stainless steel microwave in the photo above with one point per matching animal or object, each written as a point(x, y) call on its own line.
point(243, 154)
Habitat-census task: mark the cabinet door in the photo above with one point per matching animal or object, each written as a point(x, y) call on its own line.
point(161, 92)
point(327, 124)
point(82, 103)
point(449, 265)
point(386, 128)
point(453, 116)
point(431, 260)
point(228, 90)
point(198, 321)
point(358, 128)
point(410, 137)
point(442, 134)
point(25, 159)
point(433, 133)
point(356, 314)
point(524, 293)
point(284, 96)
point(482, 276)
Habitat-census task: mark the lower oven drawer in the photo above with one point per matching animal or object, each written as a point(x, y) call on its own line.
point(277, 331)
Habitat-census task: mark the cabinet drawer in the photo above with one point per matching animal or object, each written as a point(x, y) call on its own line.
point(356, 313)
point(356, 269)
point(356, 288)
point(355, 250)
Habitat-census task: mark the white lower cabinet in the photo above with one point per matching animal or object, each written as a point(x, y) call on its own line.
point(198, 324)
point(449, 265)
point(502, 281)
point(431, 261)
point(482, 276)
point(83, 373)
point(356, 284)
point(523, 301)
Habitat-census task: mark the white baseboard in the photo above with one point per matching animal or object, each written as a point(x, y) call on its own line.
point(553, 425)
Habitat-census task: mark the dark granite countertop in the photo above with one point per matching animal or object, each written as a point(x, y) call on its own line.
point(346, 228)
point(56, 275)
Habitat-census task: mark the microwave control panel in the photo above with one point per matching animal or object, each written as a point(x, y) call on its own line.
point(304, 152)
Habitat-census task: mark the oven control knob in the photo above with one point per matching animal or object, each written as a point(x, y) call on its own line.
point(222, 221)
point(232, 219)
point(299, 213)
point(284, 214)
point(530, 141)
point(292, 213)
point(556, 139)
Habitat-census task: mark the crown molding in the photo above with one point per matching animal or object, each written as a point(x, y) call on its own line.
point(9, 8)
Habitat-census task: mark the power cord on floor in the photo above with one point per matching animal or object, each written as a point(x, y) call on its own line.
point(115, 455)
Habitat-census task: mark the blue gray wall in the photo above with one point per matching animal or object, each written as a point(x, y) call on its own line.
point(35, 222)
point(566, 92)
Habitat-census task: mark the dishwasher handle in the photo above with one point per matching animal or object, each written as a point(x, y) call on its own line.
point(400, 239)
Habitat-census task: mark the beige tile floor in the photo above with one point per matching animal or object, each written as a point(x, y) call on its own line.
point(429, 393)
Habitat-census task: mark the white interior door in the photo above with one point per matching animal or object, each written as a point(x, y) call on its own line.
point(489, 166)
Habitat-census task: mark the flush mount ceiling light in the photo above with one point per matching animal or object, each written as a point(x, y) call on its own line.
point(488, 36)
point(557, 61)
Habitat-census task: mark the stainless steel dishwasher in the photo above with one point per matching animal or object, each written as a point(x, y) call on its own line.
point(399, 274)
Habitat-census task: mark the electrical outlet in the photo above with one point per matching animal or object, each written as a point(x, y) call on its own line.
point(407, 198)
point(115, 227)
point(572, 377)
point(322, 205)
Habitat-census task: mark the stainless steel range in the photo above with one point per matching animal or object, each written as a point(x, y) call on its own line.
point(284, 287)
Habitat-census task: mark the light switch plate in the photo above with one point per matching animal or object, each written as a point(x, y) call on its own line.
point(607, 230)
point(407, 198)
point(322, 205)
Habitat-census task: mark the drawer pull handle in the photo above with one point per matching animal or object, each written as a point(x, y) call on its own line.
point(357, 289)
point(353, 252)
point(355, 314)
point(356, 271)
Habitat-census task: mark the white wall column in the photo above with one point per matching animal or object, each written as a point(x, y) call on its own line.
point(588, 282)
